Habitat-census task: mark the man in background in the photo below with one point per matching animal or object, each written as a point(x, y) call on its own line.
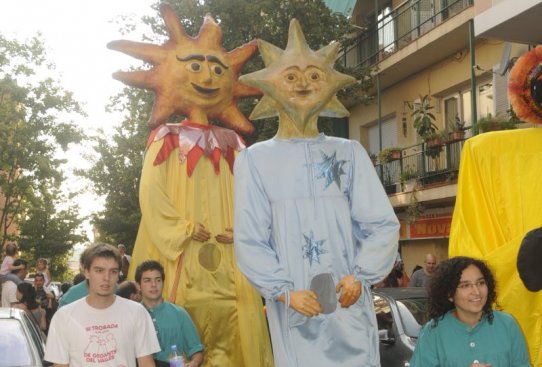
point(44, 298)
point(9, 287)
point(423, 276)
point(172, 323)
point(125, 262)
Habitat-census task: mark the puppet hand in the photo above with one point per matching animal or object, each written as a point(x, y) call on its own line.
point(225, 237)
point(201, 234)
point(351, 290)
point(304, 302)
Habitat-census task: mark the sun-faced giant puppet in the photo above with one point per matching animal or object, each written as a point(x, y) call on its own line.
point(498, 210)
point(186, 188)
point(311, 215)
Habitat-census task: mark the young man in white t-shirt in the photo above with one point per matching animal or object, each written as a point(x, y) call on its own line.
point(102, 329)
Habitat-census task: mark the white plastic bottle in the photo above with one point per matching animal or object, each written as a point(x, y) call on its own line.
point(175, 358)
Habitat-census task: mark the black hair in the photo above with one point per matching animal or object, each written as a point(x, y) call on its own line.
point(17, 263)
point(126, 289)
point(146, 266)
point(28, 295)
point(444, 285)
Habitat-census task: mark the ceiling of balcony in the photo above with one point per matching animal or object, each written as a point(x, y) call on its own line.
point(511, 20)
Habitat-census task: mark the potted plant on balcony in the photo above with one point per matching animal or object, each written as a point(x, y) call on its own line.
point(457, 131)
point(389, 154)
point(408, 178)
point(373, 158)
point(494, 123)
point(424, 120)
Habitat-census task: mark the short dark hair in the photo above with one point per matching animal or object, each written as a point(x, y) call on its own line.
point(101, 250)
point(39, 275)
point(78, 278)
point(126, 289)
point(146, 266)
point(17, 263)
point(444, 285)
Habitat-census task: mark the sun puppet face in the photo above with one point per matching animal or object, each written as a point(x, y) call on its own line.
point(200, 79)
point(192, 76)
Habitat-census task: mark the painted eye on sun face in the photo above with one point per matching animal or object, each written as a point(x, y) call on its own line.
point(194, 67)
point(217, 70)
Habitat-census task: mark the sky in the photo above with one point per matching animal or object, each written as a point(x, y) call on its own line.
point(75, 34)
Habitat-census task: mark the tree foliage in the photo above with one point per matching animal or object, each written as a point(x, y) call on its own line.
point(116, 172)
point(34, 124)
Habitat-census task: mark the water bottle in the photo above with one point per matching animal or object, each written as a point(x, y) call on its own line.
point(175, 358)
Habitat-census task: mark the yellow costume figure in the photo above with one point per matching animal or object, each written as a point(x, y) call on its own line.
point(498, 201)
point(186, 190)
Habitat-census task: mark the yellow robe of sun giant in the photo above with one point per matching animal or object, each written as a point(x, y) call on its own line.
point(499, 200)
point(201, 277)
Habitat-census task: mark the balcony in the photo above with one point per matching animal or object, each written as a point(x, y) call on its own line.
point(432, 171)
point(399, 28)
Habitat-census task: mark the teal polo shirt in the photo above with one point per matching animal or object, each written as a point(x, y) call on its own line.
point(452, 343)
point(174, 326)
point(75, 292)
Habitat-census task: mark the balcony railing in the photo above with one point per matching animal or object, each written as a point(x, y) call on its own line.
point(430, 166)
point(399, 28)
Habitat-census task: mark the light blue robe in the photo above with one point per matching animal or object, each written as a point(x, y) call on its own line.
point(305, 207)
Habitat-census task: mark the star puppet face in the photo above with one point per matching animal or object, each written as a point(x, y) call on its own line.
point(193, 76)
point(297, 82)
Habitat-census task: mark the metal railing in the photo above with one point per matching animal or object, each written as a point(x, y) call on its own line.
point(399, 28)
point(428, 165)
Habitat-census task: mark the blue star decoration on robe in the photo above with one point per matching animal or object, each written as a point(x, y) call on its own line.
point(330, 169)
point(313, 249)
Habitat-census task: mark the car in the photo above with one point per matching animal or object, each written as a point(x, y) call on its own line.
point(400, 314)
point(22, 343)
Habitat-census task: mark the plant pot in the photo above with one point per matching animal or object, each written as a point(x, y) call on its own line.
point(395, 155)
point(390, 189)
point(409, 185)
point(456, 135)
point(434, 143)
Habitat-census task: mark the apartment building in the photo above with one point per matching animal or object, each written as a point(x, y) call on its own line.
point(451, 56)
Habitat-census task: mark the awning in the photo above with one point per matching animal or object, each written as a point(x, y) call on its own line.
point(345, 7)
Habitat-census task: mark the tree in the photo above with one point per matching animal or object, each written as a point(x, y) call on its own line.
point(34, 113)
point(115, 173)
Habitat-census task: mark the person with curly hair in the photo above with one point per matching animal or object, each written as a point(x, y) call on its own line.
point(464, 330)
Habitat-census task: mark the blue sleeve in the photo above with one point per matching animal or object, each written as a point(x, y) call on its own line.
point(425, 353)
point(255, 254)
point(375, 225)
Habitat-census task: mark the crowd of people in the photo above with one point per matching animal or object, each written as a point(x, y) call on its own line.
point(132, 319)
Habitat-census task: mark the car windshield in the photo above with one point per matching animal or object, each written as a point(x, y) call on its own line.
point(413, 314)
point(14, 347)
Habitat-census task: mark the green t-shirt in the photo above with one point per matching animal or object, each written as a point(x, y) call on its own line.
point(174, 326)
point(452, 343)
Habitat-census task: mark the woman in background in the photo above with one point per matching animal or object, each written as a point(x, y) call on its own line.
point(26, 295)
point(464, 330)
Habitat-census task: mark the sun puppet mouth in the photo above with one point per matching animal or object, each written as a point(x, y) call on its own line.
point(207, 91)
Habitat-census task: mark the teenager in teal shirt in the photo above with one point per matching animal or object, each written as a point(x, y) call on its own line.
point(464, 331)
point(172, 323)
